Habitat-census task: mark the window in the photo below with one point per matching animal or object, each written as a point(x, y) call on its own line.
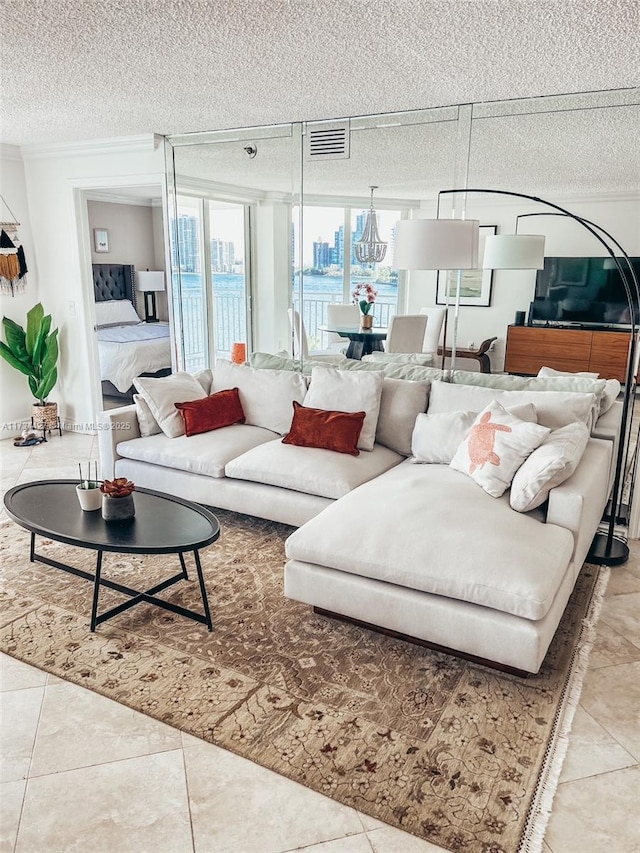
point(331, 270)
point(210, 280)
point(229, 275)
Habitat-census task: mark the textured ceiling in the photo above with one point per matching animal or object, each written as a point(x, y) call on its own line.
point(569, 146)
point(87, 69)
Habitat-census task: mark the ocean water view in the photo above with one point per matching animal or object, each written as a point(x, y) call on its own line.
point(316, 284)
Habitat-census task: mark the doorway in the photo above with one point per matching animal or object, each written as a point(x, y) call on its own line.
point(124, 231)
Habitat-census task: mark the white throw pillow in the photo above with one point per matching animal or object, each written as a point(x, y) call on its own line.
point(381, 358)
point(554, 408)
point(549, 371)
point(496, 446)
point(436, 438)
point(400, 404)
point(205, 378)
point(148, 424)
point(162, 394)
point(348, 391)
point(266, 395)
point(116, 312)
point(611, 391)
point(549, 465)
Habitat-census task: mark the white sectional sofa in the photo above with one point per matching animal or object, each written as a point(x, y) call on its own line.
point(421, 550)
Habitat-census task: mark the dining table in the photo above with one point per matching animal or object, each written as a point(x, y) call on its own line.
point(361, 341)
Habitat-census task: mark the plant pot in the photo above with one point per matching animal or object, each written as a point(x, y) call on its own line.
point(89, 499)
point(366, 321)
point(118, 509)
point(44, 417)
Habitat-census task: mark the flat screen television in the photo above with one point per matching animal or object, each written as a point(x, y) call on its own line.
point(582, 292)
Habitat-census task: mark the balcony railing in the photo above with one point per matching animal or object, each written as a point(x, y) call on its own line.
point(230, 326)
point(230, 322)
point(314, 314)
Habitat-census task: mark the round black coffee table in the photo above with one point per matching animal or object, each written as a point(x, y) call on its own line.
point(163, 524)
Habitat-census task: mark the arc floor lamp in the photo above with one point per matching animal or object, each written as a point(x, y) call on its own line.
point(616, 509)
point(438, 243)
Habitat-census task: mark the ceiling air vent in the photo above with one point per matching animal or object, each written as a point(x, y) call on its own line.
point(327, 141)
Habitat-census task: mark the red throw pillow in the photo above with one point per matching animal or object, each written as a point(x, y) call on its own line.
point(328, 430)
point(219, 410)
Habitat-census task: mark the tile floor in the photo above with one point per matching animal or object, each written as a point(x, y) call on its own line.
point(80, 772)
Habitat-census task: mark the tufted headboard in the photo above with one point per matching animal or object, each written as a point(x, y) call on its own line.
point(113, 281)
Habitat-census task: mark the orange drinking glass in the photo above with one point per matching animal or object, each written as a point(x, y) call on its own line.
point(239, 353)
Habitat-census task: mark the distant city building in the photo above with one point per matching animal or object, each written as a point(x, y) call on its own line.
point(321, 255)
point(356, 234)
point(325, 256)
point(338, 247)
point(186, 257)
point(223, 255)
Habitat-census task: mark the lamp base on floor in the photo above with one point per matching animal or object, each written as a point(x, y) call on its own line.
point(608, 552)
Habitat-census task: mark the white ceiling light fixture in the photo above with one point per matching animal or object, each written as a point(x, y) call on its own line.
point(370, 248)
point(514, 252)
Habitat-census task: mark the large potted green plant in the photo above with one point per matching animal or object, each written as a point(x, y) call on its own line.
point(34, 352)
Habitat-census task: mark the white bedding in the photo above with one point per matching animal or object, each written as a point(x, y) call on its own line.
point(127, 351)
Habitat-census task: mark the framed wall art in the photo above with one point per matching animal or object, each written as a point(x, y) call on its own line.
point(475, 285)
point(100, 240)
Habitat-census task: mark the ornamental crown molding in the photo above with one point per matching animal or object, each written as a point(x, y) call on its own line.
point(122, 198)
point(10, 152)
point(143, 143)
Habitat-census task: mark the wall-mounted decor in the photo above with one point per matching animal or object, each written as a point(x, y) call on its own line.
point(475, 285)
point(13, 264)
point(101, 239)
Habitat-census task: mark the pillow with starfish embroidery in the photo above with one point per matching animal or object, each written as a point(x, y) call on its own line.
point(495, 447)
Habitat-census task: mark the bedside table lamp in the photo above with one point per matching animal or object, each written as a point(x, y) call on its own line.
point(150, 283)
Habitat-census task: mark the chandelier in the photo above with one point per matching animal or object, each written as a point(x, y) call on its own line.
point(370, 249)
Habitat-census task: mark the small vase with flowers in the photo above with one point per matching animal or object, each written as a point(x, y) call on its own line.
point(364, 295)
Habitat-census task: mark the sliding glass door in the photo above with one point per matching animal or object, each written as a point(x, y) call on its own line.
point(211, 281)
point(229, 259)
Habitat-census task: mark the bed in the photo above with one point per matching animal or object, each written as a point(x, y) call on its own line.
point(127, 347)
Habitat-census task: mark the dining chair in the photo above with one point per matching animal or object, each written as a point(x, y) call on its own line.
point(406, 333)
point(301, 341)
point(433, 332)
point(341, 315)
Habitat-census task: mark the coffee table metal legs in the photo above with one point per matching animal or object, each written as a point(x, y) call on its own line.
point(149, 595)
point(96, 590)
point(203, 591)
point(136, 596)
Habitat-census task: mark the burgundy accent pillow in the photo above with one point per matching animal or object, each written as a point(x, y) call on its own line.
point(218, 410)
point(323, 428)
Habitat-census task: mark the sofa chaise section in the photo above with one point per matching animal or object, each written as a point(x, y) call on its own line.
point(440, 561)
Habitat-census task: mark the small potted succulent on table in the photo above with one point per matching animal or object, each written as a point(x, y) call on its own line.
point(117, 499)
point(88, 489)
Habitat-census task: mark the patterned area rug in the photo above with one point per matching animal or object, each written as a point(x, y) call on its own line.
point(447, 750)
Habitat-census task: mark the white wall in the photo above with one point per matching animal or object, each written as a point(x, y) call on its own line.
point(55, 179)
point(513, 290)
point(16, 398)
point(130, 228)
